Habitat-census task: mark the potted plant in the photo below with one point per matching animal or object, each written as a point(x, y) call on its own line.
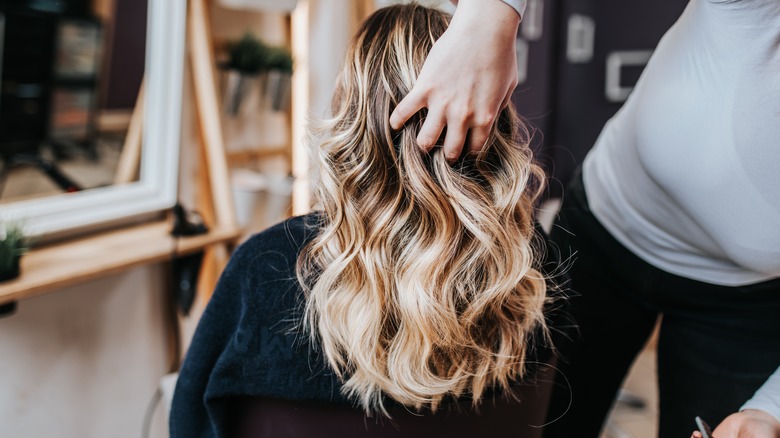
point(246, 60)
point(13, 244)
point(279, 66)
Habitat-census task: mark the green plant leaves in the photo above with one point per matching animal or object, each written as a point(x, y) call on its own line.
point(251, 56)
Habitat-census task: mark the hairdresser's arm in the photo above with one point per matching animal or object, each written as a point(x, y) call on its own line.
point(468, 77)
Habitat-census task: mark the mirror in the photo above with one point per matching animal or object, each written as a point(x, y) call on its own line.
point(90, 101)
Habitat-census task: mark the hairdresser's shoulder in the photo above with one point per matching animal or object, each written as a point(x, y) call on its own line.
point(280, 243)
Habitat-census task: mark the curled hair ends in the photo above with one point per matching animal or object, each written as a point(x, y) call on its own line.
point(422, 283)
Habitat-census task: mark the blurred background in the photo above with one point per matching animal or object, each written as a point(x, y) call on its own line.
point(87, 359)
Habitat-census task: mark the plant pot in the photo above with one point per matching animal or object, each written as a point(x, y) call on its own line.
point(279, 200)
point(12, 272)
point(237, 87)
point(261, 5)
point(8, 309)
point(276, 90)
point(247, 188)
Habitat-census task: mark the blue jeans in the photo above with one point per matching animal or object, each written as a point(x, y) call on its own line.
point(717, 344)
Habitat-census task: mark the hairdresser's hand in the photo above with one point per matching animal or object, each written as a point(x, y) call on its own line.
point(750, 423)
point(467, 79)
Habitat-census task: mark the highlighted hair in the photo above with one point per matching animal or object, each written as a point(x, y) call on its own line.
point(421, 284)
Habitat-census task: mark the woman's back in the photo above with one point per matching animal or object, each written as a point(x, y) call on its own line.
point(414, 299)
point(250, 373)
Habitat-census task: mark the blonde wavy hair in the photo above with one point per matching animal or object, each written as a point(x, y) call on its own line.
point(421, 283)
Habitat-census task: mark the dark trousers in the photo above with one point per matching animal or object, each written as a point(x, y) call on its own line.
point(717, 344)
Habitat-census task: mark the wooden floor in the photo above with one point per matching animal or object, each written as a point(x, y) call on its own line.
point(628, 422)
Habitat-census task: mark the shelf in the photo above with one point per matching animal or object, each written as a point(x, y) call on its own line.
point(248, 155)
point(49, 268)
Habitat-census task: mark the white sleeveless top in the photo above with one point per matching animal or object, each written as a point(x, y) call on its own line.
point(687, 174)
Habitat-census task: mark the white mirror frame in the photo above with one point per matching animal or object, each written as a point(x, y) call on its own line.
point(156, 188)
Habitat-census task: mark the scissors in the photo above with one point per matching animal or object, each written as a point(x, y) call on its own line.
point(704, 428)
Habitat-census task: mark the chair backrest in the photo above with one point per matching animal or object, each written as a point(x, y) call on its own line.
point(518, 416)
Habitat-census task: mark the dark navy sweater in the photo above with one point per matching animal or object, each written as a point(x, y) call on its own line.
point(247, 342)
